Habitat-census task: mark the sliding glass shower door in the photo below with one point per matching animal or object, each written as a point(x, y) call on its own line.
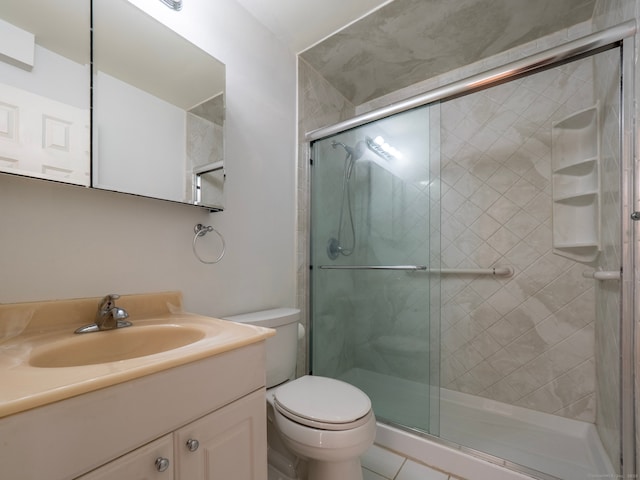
point(536, 338)
point(375, 237)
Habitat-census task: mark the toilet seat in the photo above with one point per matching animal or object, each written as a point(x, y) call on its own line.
point(323, 403)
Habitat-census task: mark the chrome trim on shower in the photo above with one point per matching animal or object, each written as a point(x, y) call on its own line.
point(630, 253)
point(498, 271)
point(527, 65)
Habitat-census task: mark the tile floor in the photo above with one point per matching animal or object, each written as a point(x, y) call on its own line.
point(381, 464)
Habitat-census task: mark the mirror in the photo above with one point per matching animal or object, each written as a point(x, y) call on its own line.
point(158, 109)
point(44, 89)
point(158, 101)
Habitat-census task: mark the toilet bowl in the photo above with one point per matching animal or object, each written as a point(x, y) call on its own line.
point(327, 422)
point(317, 427)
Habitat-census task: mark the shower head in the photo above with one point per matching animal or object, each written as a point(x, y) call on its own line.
point(354, 152)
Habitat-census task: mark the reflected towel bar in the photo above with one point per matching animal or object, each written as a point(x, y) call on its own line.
point(603, 275)
point(208, 168)
point(501, 271)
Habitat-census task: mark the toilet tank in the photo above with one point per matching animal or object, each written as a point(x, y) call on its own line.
point(282, 348)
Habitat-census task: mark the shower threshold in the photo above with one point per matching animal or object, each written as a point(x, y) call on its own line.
point(556, 446)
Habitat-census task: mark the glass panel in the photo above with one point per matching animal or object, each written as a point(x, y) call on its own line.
point(158, 109)
point(530, 179)
point(371, 207)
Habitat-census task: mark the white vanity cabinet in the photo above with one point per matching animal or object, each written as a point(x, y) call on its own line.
point(226, 444)
point(119, 432)
point(230, 443)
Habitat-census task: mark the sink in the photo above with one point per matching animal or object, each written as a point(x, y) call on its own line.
point(42, 361)
point(113, 345)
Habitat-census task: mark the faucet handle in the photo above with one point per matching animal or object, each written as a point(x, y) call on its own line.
point(107, 303)
point(108, 316)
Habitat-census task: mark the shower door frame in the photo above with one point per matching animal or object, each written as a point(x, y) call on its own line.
point(622, 36)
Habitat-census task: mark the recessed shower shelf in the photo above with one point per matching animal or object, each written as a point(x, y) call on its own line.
point(577, 199)
point(577, 245)
point(580, 168)
point(575, 184)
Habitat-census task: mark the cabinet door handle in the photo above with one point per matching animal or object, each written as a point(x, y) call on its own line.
point(162, 464)
point(193, 444)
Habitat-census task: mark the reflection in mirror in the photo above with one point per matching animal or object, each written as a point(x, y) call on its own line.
point(44, 89)
point(158, 109)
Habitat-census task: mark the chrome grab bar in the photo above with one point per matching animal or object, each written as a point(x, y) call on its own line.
point(499, 271)
point(502, 271)
point(374, 267)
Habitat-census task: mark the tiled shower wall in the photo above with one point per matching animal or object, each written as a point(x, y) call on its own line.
point(526, 340)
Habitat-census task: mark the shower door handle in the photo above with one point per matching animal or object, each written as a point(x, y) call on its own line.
point(413, 268)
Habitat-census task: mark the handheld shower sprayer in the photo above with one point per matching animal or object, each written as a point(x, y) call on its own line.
point(335, 247)
point(353, 154)
point(381, 148)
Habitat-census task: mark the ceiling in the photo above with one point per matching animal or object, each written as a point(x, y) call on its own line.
point(368, 48)
point(302, 23)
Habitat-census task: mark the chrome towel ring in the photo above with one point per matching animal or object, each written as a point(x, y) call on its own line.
point(200, 231)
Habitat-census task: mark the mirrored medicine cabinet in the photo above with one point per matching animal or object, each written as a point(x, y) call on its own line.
point(136, 109)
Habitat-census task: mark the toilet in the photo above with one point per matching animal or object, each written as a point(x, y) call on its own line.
point(317, 427)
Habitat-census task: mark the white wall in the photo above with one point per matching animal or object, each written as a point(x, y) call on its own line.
point(58, 241)
point(153, 158)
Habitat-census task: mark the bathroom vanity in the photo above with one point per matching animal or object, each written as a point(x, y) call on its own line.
point(195, 411)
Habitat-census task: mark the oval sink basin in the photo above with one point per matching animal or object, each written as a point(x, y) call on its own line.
point(113, 345)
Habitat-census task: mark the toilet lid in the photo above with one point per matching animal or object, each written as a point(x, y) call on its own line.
point(323, 400)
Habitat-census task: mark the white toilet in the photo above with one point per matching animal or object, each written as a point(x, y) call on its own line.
point(317, 427)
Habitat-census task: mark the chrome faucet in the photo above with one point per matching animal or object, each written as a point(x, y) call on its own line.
point(108, 316)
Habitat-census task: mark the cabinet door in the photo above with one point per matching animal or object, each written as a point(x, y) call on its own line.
point(153, 461)
point(231, 443)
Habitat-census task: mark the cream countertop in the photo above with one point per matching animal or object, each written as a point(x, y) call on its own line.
point(27, 326)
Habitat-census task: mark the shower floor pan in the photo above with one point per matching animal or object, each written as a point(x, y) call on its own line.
point(557, 446)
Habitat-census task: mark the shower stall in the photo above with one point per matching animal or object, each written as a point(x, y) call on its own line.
point(468, 260)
